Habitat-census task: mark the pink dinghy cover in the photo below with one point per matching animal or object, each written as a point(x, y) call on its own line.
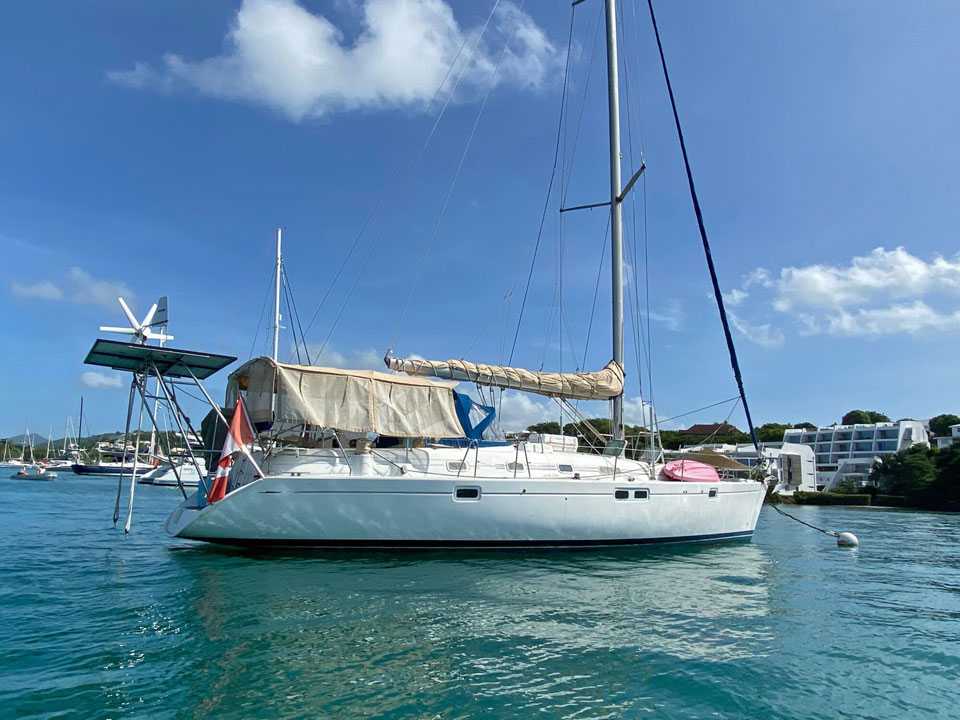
point(690, 471)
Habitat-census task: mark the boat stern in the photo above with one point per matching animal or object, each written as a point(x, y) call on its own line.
point(184, 514)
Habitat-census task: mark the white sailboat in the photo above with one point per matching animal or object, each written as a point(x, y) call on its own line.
point(320, 479)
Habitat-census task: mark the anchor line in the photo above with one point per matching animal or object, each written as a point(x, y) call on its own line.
point(825, 532)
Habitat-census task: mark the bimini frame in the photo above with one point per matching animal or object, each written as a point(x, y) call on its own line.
point(171, 368)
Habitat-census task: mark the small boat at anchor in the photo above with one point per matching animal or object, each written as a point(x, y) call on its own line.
point(34, 472)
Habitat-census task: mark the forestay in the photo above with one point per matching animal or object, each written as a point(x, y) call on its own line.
point(602, 385)
point(350, 400)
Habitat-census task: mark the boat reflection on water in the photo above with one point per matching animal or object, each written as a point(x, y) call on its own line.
point(400, 631)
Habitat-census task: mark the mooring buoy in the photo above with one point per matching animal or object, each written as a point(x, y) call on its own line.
point(847, 539)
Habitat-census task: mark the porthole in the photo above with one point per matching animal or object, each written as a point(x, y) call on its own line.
point(621, 494)
point(641, 494)
point(456, 466)
point(467, 493)
point(565, 468)
point(515, 467)
point(713, 492)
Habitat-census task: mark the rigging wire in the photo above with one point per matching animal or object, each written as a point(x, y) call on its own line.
point(409, 174)
point(396, 166)
point(596, 290)
point(296, 314)
point(286, 297)
point(553, 174)
point(583, 100)
point(262, 311)
point(703, 237)
point(456, 176)
point(700, 409)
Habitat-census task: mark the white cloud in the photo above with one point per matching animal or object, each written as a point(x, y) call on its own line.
point(356, 359)
point(139, 77)
point(866, 298)
point(101, 381)
point(735, 297)
point(89, 290)
point(765, 335)
point(758, 276)
point(671, 317)
point(910, 318)
point(807, 325)
point(78, 287)
point(279, 54)
point(883, 274)
point(637, 412)
point(43, 290)
point(518, 411)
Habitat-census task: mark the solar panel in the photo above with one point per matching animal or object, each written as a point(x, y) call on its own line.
point(169, 362)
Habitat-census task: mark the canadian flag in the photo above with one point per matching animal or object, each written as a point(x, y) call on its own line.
point(240, 434)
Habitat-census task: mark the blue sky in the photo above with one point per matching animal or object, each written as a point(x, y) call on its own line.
point(152, 149)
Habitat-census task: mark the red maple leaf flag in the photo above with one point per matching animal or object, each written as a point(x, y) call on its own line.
point(240, 434)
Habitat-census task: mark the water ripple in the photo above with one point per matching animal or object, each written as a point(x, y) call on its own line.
point(95, 624)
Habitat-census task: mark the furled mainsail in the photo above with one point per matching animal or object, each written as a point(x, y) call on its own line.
point(602, 385)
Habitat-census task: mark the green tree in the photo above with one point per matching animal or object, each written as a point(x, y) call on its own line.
point(863, 417)
point(944, 492)
point(909, 472)
point(546, 428)
point(940, 425)
point(805, 425)
point(771, 432)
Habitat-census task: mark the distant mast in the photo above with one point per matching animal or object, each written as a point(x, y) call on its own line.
point(276, 302)
point(616, 220)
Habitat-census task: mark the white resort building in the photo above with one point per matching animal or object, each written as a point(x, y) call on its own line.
point(847, 452)
point(948, 440)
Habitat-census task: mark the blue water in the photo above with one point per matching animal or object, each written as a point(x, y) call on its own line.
point(97, 625)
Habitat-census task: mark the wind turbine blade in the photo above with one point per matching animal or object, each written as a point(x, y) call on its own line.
point(147, 321)
point(133, 321)
point(125, 331)
point(160, 318)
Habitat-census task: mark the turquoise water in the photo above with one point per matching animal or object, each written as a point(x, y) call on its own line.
point(97, 625)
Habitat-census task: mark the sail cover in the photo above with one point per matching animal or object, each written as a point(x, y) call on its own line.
point(350, 400)
point(601, 385)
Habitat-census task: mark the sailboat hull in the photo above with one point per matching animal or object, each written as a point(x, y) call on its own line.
point(358, 512)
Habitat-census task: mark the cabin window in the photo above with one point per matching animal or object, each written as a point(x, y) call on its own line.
point(456, 466)
point(515, 467)
point(565, 468)
point(467, 493)
point(641, 494)
point(713, 492)
point(621, 494)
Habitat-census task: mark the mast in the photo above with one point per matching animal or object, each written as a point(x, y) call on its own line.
point(276, 302)
point(616, 218)
point(80, 429)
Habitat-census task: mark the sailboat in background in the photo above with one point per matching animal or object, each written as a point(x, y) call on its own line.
point(367, 459)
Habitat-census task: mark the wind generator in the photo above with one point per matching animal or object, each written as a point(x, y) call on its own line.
point(141, 332)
